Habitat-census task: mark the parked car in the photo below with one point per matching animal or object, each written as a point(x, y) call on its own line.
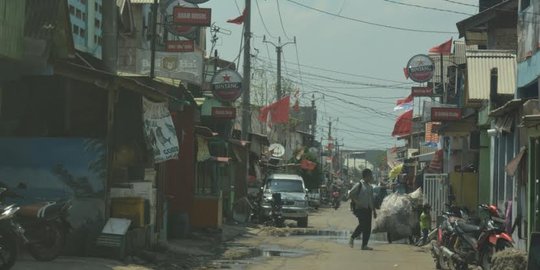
point(293, 195)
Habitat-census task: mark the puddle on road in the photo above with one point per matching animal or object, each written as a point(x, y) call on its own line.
point(278, 251)
point(339, 236)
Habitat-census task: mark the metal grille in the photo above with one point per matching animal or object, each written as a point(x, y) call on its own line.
point(436, 192)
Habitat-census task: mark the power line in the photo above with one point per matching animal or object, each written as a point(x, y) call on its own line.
point(281, 20)
point(425, 7)
point(298, 62)
point(372, 23)
point(262, 20)
point(461, 3)
point(350, 74)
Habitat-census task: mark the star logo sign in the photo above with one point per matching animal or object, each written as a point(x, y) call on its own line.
point(226, 78)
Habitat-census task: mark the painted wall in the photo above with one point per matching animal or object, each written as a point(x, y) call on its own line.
point(57, 169)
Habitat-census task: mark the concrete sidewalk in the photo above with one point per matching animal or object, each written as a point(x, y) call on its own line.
point(198, 249)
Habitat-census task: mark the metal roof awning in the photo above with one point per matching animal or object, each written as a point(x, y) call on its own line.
point(531, 120)
point(471, 27)
point(509, 107)
point(479, 66)
point(458, 128)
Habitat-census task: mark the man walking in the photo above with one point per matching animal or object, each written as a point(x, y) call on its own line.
point(362, 197)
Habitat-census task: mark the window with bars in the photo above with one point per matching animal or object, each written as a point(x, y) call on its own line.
point(78, 13)
point(97, 23)
point(71, 10)
point(75, 29)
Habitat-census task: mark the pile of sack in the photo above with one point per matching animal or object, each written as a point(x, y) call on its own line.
point(398, 214)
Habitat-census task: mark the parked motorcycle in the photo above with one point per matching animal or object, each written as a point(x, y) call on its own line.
point(11, 236)
point(45, 226)
point(460, 242)
point(276, 218)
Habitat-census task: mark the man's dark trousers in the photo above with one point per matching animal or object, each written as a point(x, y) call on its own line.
point(364, 225)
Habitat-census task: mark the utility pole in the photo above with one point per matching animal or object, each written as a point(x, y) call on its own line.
point(154, 35)
point(279, 50)
point(246, 98)
point(330, 152)
point(313, 115)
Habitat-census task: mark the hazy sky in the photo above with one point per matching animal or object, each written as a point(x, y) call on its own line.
point(363, 105)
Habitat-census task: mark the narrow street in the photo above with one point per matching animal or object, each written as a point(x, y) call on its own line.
point(324, 245)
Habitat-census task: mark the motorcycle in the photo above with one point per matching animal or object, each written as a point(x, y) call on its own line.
point(336, 201)
point(11, 236)
point(276, 218)
point(461, 243)
point(45, 226)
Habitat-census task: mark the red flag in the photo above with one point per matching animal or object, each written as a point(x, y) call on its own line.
point(444, 48)
point(408, 99)
point(406, 72)
point(308, 165)
point(278, 111)
point(403, 124)
point(239, 19)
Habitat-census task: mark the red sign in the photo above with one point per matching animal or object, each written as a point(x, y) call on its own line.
point(192, 16)
point(445, 114)
point(420, 68)
point(180, 46)
point(227, 85)
point(418, 91)
point(224, 112)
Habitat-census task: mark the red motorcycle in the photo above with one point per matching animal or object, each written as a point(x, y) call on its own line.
point(461, 243)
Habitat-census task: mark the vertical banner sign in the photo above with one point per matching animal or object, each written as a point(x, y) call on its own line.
point(159, 131)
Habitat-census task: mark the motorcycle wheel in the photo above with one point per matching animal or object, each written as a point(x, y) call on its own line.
point(51, 245)
point(490, 250)
point(8, 250)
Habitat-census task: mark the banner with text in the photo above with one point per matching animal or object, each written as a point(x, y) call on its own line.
point(159, 131)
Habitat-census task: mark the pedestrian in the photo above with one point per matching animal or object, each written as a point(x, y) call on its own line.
point(425, 222)
point(362, 196)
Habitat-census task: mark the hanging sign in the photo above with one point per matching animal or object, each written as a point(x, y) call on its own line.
point(422, 91)
point(179, 46)
point(227, 85)
point(159, 131)
point(168, 10)
point(420, 68)
point(224, 112)
point(192, 16)
point(445, 114)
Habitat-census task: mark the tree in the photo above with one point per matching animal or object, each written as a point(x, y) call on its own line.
point(312, 178)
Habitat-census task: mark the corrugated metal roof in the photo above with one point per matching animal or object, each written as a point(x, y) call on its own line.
point(479, 65)
point(459, 51)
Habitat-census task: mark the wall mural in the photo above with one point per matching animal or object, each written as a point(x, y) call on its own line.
point(48, 169)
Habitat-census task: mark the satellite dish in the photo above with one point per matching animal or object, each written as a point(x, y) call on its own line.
point(276, 150)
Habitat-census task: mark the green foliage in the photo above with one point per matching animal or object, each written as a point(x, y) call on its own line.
point(312, 179)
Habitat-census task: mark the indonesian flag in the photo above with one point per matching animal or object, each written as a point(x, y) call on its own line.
point(239, 19)
point(406, 72)
point(278, 112)
point(444, 48)
point(403, 124)
point(405, 103)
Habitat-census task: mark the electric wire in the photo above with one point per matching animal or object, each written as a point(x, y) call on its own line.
point(262, 20)
point(281, 20)
point(429, 8)
point(371, 23)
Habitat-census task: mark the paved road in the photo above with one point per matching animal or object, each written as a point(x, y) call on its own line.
point(325, 247)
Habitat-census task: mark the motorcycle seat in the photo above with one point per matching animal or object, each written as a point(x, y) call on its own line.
point(41, 210)
point(468, 228)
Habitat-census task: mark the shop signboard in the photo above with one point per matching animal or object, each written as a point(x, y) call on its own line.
point(192, 16)
point(420, 68)
point(227, 85)
point(224, 112)
point(445, 114)
point(422, 91)
point(180, 46)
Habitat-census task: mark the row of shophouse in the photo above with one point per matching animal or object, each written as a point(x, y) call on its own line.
point(77, 111)
point(487, 140)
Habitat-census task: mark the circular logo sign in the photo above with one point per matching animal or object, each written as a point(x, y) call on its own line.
point(227, 85)
point(420, 68)
point(167, 10)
